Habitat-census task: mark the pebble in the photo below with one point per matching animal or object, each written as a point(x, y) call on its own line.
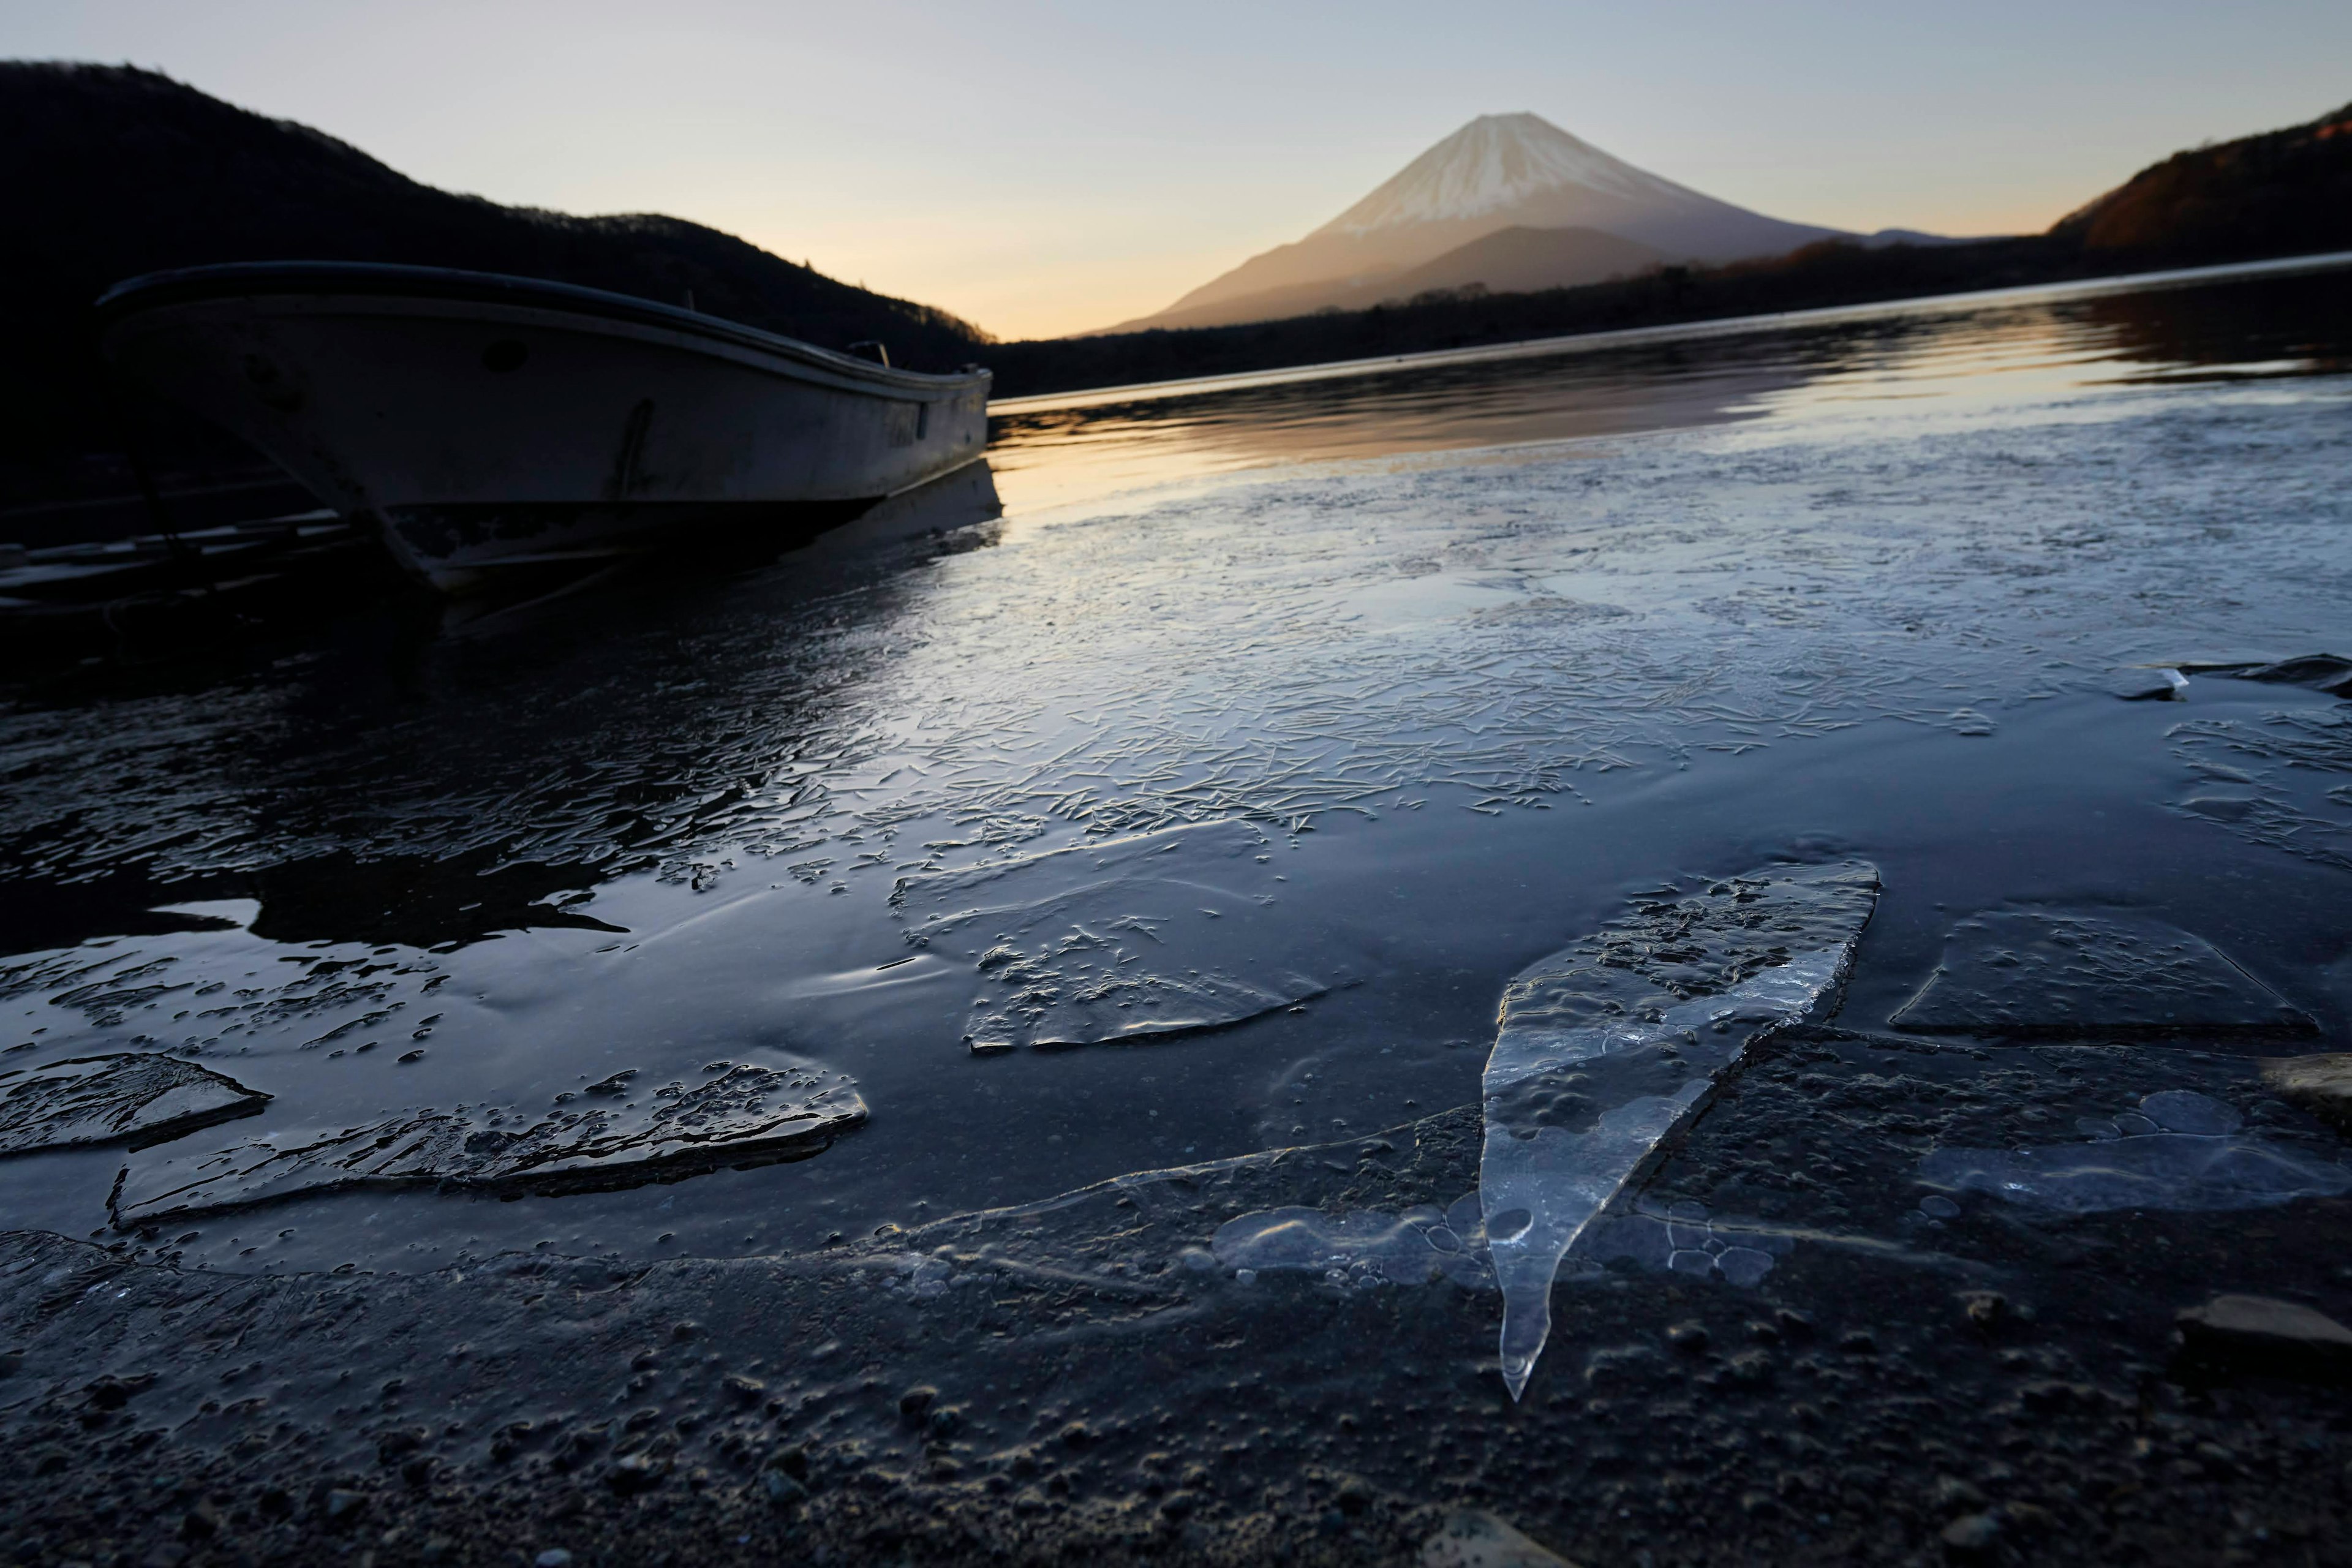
point(554, 1557)
point(2258, 1333)
point(1953, 1494)
point(1972, 1533)
point(2321, 1084)
point(1987, 1309)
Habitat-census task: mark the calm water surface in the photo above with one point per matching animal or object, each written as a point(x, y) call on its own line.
point(1477, 650)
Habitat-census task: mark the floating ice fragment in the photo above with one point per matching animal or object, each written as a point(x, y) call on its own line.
point(1603, 1048)
point(108, 1099)
point(2056, 973)
point(746, 1115)
point(1158, 934)
point(2146, 685)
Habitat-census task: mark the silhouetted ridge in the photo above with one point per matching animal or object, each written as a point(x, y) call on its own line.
point(2277, 193)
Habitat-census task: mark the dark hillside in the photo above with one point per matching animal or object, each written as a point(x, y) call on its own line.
point(111, 171)
point(2278, 193)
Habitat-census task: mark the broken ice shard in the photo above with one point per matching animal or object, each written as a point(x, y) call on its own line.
point(111, 1099)
point(2147, 684)
point(1159, 933)
point(2055, 974)
point(1605, 1047)
point(745, 1115)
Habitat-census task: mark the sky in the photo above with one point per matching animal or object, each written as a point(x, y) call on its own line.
point(1040, 167)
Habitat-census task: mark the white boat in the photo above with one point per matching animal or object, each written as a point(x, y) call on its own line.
point(480, 422)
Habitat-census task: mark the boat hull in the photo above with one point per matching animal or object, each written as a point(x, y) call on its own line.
point(483, 422)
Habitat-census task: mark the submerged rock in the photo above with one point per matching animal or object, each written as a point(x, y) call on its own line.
point(2050, 973)
point(1162, 934)
point(1604, 1047)
point(2257, 1333)
point(111, 1099)
point(744, 1115)
point(2321, 1084)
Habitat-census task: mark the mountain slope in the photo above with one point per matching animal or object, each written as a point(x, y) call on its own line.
point(113, 172)
point(1499, 172)
point(2279, 192)
point(1508, 261)
point(1523, 260)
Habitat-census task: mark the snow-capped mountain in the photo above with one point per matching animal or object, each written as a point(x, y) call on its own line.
point(1499, 172)
point(1497, 162)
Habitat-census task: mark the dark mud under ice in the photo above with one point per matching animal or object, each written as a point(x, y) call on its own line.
point(1643, 989)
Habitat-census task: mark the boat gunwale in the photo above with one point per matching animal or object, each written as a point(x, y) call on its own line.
point(222, 282)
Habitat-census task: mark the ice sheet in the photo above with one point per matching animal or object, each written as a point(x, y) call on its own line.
point(617, 1133)
point(109, 1099)
point(2060, 974)
point(2183, 1150)
point(1158, 933)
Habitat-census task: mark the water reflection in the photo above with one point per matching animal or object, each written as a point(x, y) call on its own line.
point(2270, 321)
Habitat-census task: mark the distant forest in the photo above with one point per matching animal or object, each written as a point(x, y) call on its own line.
point(113, 172)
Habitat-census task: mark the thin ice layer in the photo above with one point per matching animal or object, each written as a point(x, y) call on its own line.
point(2056, 973)
point(1603, 1048)
point(1156, 934)
point(109, 1100)
point(2181, 1151)
point(745, 1114)
point(1365, 1248)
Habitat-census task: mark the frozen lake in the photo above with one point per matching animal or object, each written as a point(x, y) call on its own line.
point(1207, 803)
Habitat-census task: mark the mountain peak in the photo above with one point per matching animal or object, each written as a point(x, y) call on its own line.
point(1495, 162)
point(1499, 172)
